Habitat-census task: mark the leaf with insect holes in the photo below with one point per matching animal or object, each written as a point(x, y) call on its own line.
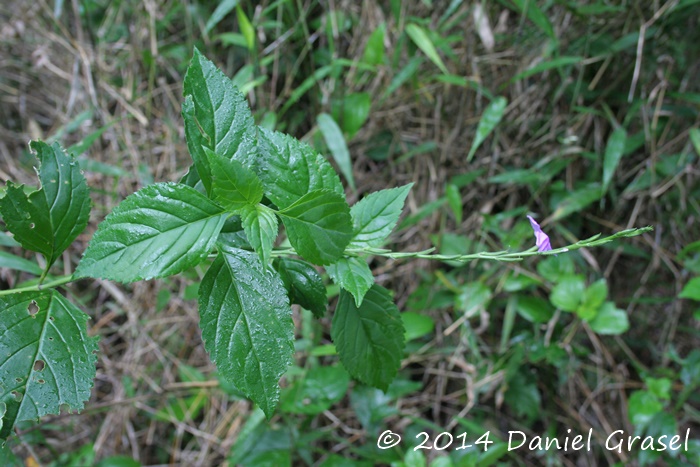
point(304, 285)
point(219, 112)
point(260, 225)
point(47, 358)
point(369, 338)
point(160, 230)
point(247, 325)
point(376, 215)
point(289, 169)
point(50, 218)
point(352, 274)
point(233, 184)
point(319, 226)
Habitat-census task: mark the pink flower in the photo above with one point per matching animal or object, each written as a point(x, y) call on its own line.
point(541, 238)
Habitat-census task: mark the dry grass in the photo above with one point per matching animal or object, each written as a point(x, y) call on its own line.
point(52, 70)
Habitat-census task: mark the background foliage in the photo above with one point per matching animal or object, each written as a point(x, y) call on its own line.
point(583, 113)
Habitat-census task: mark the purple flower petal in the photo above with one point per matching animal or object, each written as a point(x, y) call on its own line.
point(541, 238)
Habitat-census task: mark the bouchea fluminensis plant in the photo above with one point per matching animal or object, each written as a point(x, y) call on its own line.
point(225, 213)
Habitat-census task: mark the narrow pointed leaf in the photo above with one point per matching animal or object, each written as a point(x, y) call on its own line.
point(613, 153)
point(233, 184)
point(289, 169)
point(421, 39)
point(160, 230)
point(369, 338)
point(221, 113)
point(47, 358)
point(261, 228)
point(49, 219)
point(336, 145)
point(376, 215)
point(8, 260)
point(489, 120)
point(319, 226)
point(352, 274)
point(304, 285)
point(247, 325)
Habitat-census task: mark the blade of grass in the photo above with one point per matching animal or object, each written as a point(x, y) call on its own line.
point(336, 144)
point(421, 39)
point(489, 120)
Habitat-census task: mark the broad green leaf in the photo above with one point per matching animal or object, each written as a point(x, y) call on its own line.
point(454, 199)
point(352, 274)
point(50, 218)
point(158, 231)
point(489, 120)
point(534, 309)
point(196, 143)
point(260, 225)
point(8, 260)
point(221, 113)
point(642, 406)
point(320, 388)
point(421, 39)
point(233, 184)
point(610, 320)
point(613, 154)
point(351, 112)
point(593, 298)
point(289, 169)
point(369, 338)
point(417, 325)
point(374, 49)
point(47, 358)
point(376, 215)
point(319, 226)
point(577, 200)
point(568, 293)
point(247, 325)
point(691, 290)
point(224, 8)
point(336, 144)
point(304, 285)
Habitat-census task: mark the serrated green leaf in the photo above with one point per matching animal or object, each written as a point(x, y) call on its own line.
point(422, 40)
point(247, 325)
point(336, 145)
point(369, 338)
point(158, 231)
point(613, 153)
point(49, 219)
point(376, 215)
point(352, 274)
point(304, 285)
point(220, 112)
point(195, 144)
point(260, 225)
point(233, 184)
point(319, 226)
point(46, 356)
point(610, 320)
point(489, 120)
point(289, 169)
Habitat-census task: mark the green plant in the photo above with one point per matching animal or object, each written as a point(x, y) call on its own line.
point(243, 180)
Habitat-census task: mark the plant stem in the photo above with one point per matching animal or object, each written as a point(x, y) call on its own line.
point(34, 288)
